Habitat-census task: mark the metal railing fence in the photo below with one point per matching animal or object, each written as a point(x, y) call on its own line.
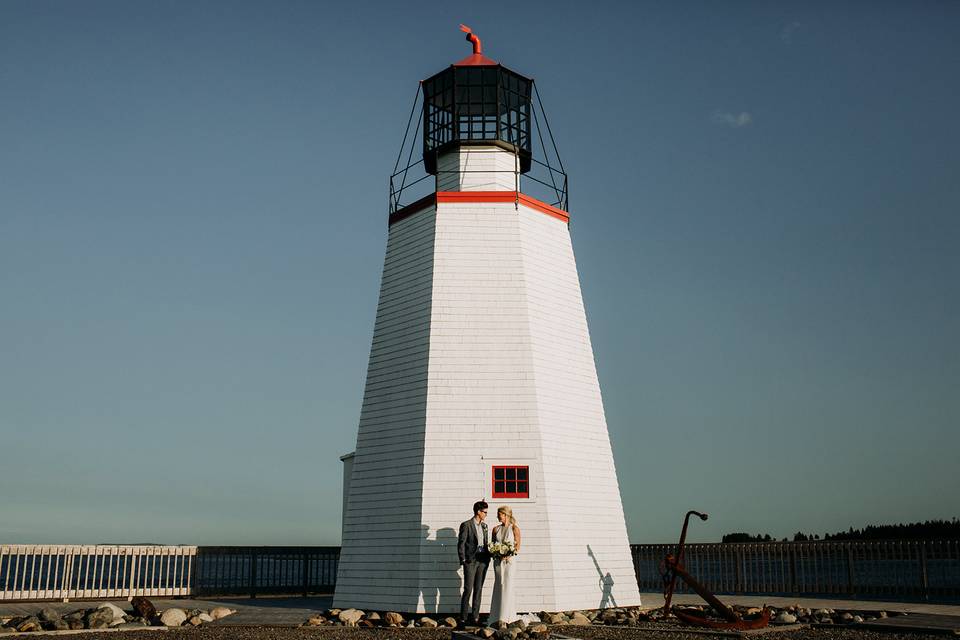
point(265, 570)
point(62, 572)
point(888, 569)
point(894, 568)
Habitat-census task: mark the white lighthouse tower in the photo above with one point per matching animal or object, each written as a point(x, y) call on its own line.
point(481, 382)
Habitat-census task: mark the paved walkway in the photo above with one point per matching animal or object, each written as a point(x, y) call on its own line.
point(266, 611)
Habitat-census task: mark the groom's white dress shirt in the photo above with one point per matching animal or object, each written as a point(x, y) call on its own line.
point(479, 529)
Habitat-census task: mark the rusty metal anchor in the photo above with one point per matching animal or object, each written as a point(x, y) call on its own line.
point(672, 568)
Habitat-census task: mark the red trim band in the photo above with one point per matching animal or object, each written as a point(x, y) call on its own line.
point(479, 196)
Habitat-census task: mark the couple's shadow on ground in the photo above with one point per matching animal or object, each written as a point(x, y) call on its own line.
point(441, 552)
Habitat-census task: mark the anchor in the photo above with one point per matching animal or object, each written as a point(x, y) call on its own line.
point(672, 568)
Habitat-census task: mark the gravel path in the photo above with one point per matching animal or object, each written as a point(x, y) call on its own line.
point(651, 632)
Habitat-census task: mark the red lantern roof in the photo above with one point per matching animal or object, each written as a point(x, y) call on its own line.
point(477, 59)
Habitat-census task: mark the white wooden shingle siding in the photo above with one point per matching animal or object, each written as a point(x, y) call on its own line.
point(481, 356)
point(477, 169)
point(379, 559)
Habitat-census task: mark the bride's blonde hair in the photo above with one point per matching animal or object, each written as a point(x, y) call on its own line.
point(507, 510)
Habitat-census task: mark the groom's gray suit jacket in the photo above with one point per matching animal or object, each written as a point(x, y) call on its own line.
point(467, 543)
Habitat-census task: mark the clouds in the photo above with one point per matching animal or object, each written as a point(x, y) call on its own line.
point(786, 33)
point(734, 120)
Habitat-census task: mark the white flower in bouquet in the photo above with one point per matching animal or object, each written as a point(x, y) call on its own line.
point(502, 549)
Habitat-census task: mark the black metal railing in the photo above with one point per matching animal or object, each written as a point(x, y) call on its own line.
point(265, 570)
point(540, 173)
point(925, 569)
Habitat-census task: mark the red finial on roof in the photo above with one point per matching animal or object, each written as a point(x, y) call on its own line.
point(472, 37)
point(477, 59)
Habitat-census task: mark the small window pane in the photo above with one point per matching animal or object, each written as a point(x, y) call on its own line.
point(498, 487)
point(511, 487)
point(522, 487)
point(522, 473)
point(511, 473)
point(498, 473)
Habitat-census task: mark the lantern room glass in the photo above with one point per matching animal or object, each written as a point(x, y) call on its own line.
point(476, 105)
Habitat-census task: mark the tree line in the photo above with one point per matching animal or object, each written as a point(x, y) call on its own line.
point(927, 530)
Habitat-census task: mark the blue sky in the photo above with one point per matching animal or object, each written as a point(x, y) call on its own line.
point(193, 217)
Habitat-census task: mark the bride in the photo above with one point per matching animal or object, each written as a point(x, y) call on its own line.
point(503, 606)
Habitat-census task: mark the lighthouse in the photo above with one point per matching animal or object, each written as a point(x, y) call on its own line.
point(481, 382)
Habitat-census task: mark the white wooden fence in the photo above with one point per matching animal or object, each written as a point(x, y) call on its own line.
point(62, 572)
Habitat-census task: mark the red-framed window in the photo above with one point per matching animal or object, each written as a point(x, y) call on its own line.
point(511, 482)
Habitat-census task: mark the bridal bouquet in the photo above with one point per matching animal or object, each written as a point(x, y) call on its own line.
point(501, 549)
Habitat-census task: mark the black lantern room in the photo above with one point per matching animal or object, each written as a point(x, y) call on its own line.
point(476, 102)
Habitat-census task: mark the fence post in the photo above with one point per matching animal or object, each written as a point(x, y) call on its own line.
point(850, 574)
point(66, 575)
point(793, 569)
point(253, 573)
point(739, 567)
point(924, 584)
point(306, 573)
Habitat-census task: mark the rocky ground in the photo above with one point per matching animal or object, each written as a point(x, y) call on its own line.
point(653, 632)
point(628, 623)
point(141, 614)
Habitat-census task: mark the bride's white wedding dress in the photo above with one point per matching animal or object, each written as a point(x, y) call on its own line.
point(503, 605)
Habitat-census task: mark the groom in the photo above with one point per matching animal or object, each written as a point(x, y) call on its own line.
point(472, 549)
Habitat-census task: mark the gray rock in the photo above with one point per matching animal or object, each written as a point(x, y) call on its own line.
point(486, 632)
point(429, 623)
point(857, 619)
point(57, 625)
point(75, 624)
point(579, 619)
point(117, 614)
point(30, 623)
point(373, 615)
point(350, 617)
point(48, 614)
point(785, 618)
point(393, 618)
point(195, 621)
point(75, 615)
point(205, 617)
point(173, 617)
point(220, 612)
point(98, 618)
point(450, 622)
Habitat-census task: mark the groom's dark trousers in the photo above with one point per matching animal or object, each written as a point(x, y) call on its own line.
point(474, 563)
